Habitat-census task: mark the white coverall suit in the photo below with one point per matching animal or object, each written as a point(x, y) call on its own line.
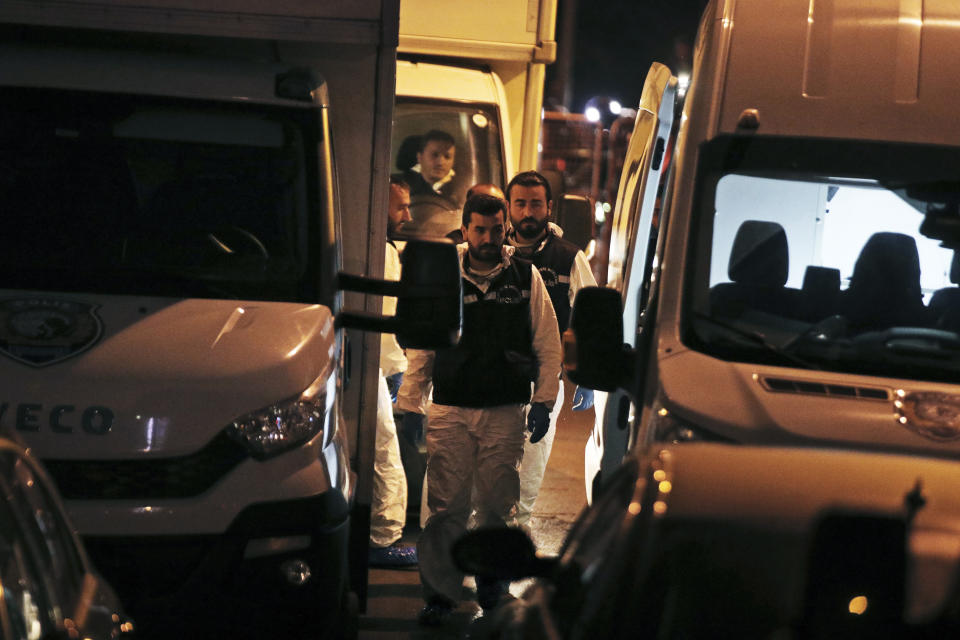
point(465, 443)
point(536, 455)
point(388, 513)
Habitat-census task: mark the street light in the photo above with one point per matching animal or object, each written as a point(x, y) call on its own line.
point(602, 109)
point(683, 82)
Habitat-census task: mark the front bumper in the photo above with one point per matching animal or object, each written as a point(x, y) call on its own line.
point(192, 585)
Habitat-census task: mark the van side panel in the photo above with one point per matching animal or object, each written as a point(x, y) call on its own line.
point(858, 70)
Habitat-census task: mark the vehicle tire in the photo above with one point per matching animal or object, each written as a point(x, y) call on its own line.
point(348, 622)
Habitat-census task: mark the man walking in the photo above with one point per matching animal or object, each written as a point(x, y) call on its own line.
point(564, 270)
point(388, 513)
point(480, 388)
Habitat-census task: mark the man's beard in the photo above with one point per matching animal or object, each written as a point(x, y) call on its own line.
point(531, 228)
point(485, 252)
point(393, 230)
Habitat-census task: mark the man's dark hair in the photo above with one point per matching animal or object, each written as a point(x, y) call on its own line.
point(483, 185)
point(397, 181)
point(530, 179)
point(438, 136)
point(484, 205)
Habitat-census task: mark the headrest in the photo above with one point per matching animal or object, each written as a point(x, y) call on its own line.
point(821, 279)
point(955, 268)
point(759, 255)
point(407, 153)
point(888, 261)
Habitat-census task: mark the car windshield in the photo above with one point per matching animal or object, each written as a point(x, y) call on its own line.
point(438, 189)
point(830, 255)
point(117, 194)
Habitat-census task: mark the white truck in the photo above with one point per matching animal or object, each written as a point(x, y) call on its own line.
point(172, 344)
point(475, 70)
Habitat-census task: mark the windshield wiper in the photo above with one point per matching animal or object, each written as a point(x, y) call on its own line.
point(758, 339)
point(825, 330)
point(910, 341)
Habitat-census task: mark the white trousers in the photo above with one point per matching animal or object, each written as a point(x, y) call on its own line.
point(467, 447)
point(532, 468)
point(388, 513)
point(534, 465)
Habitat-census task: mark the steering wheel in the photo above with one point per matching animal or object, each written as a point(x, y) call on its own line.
point(233, 240)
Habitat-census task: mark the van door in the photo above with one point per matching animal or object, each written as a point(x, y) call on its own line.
point(632, 242)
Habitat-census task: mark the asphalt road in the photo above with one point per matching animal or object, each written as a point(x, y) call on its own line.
point(394, 597)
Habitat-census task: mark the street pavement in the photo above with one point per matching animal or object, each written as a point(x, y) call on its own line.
point(394, 597)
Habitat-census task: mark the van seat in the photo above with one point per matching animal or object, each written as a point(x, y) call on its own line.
point(820, 292)
point(885, 289)
point(407, 153)
point(945, 303)
point(758, 268)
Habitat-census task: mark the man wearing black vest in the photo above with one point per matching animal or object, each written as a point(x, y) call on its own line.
point(564, 270)
point(481, 387)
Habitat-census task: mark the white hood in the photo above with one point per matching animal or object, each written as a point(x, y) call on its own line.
point(164, 375)
point(756, 509)
point(764, 404)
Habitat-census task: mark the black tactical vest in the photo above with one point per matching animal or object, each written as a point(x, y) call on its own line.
point(555, 262)
point(494, 363)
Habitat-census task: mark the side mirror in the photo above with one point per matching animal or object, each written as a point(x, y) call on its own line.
point(594, 355)
point(943, 223)
point(500, 552)
point(429, 297)
point(575, 216)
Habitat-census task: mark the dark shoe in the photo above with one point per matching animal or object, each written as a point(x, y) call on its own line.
point(436, 613)
point(490, 591)
point(396, 555)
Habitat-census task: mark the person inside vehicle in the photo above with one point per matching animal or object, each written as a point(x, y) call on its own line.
point(481, 387)
point(388, 511)
point(565, 270)
point(433, 173)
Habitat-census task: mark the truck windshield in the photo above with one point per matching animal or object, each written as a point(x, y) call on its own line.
point(140, 195)
point(810, 253)
point(438, 190)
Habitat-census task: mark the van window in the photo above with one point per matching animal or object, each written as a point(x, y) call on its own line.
point(478, 157)
point(147, 195)
point(809, 253)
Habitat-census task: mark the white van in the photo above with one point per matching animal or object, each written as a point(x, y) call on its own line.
point(805, 260)
point(780, 341)
point(475, 71)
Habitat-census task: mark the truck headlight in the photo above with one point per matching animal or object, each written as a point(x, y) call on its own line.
point(279, 427)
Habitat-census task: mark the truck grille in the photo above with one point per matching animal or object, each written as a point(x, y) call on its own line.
point(180, 477)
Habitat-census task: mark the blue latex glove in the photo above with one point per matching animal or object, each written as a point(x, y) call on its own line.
point(582, 399)
point(538, 421)
point(393, 385)
point(412, 426)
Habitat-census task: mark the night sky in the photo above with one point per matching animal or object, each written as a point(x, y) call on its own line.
point(617, 40)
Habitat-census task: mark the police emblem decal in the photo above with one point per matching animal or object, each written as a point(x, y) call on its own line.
point(509, 295)
point(43, 331)
point(549, 277)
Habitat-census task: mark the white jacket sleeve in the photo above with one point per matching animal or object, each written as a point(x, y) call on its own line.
point(414, 394)
point(546, 342)
point(581, 275)
point(392, 359)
